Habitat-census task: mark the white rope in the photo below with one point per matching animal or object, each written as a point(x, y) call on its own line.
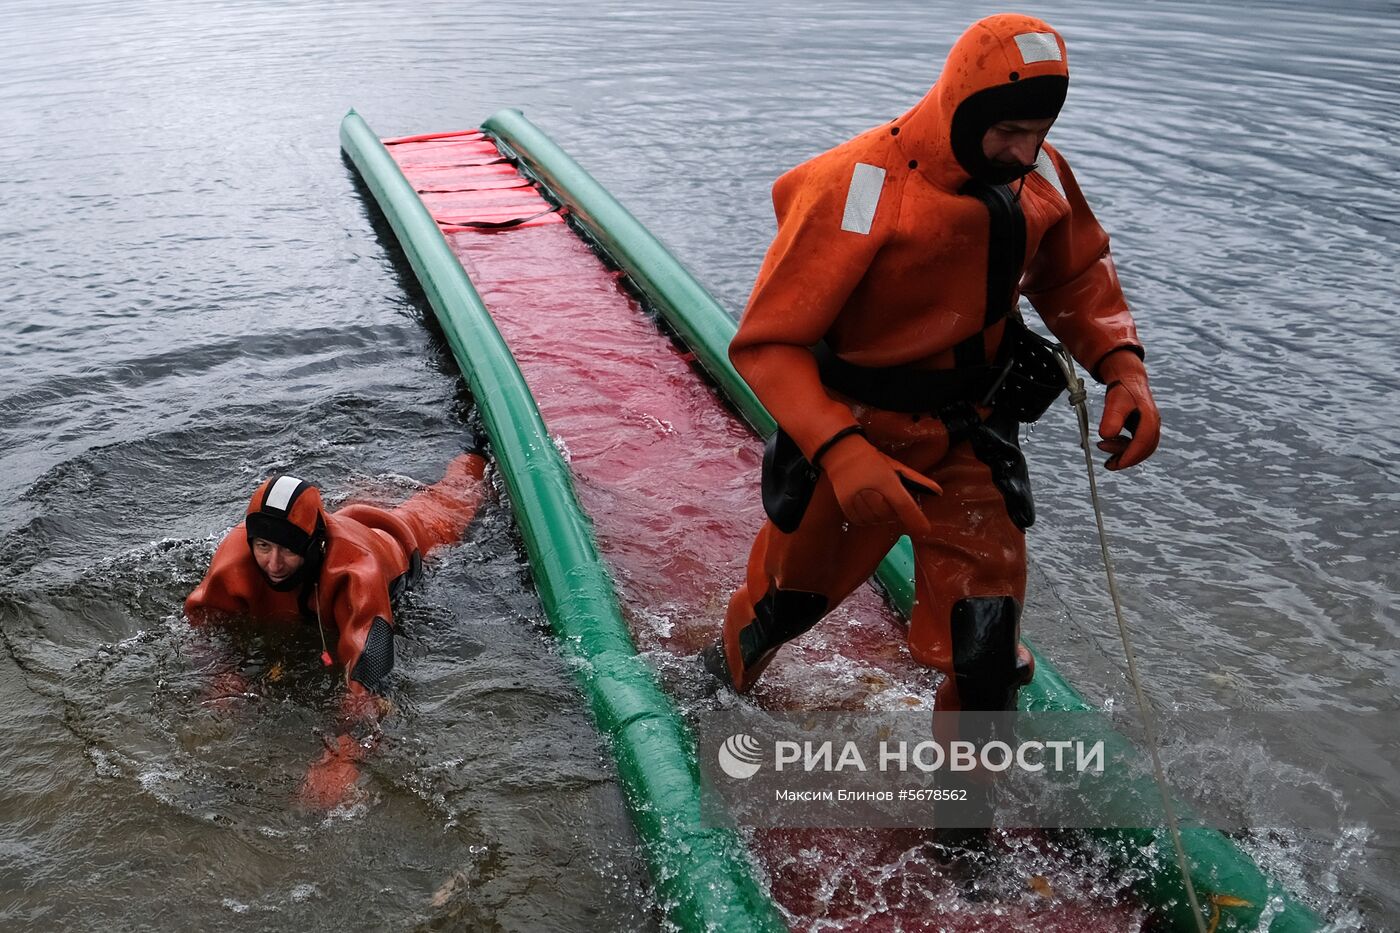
point(1078, 398)
point(325, 652)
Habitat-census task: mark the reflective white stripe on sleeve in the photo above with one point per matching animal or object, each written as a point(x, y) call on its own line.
point(281, 492)
point(1045, 168)
point(862, 198)
point(1038, 47)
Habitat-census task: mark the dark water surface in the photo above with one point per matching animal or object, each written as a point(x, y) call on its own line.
point(193, 294)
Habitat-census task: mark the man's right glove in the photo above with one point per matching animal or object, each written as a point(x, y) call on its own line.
point(1128, 405)
point(874, 489)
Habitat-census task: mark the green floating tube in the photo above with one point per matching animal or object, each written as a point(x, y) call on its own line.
point(703, 875)
point(1217, 866)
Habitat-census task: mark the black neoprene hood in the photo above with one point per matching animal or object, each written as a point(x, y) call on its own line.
point(272, 521)
point(278, 530)
point(1038, 98)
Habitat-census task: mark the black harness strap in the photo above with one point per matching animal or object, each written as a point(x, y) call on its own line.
point(1006, 255)
point(904, 388)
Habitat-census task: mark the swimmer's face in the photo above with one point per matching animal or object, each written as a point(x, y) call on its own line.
point(1015, 143)
point(276, 561)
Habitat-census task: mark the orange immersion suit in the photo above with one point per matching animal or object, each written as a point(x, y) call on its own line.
point(357, 561)
point(900, 257)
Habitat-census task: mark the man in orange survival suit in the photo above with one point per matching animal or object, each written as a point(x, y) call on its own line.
point(290, 561)
point(883, 335)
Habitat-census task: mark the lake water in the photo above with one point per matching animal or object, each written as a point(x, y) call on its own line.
point(194, 294)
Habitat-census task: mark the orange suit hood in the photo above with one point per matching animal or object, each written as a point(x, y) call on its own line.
point(1004, 67)
point(288, 511)
point(885, 249)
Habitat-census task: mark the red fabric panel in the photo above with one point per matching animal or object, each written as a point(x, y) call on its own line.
point(455, 178)
point(445, 156)
point(459, 204)
point(424, 137)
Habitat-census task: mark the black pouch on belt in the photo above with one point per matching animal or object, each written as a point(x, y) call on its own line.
point(788, 481)
point(995, 443)
point(1035, 378)
point(789, 478)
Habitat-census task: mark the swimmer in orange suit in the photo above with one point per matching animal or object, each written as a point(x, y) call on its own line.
point(883, 334)
point(292, 562)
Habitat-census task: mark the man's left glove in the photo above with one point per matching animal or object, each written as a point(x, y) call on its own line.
point(1128, 406)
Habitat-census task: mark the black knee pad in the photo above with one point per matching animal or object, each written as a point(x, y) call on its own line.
point(780, 616)
point(377, 660)
point(985, 632)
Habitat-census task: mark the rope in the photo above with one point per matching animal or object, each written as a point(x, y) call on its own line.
point(1077, 398)
point(325, 652)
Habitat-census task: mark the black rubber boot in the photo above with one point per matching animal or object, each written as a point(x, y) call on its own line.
point(970, 859)
point(714, 661)
point(779, 617)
